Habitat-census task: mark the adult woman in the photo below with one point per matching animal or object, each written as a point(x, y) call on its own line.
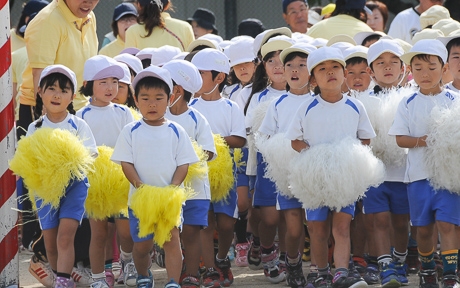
point(378, 20)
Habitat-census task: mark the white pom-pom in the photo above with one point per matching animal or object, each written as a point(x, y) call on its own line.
point(334, 174)
point(371, 103)
point(259, 115)
point(278, 153)
point(442, 159)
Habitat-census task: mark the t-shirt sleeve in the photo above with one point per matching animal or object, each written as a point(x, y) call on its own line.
point(185, 152)
point(85, 134)
point(295, 131)
point(365, 129)
point(268, 125)
point(401, 122)
point(42, 41)
point(204, 136)
point(238, 127)
point(123, 151)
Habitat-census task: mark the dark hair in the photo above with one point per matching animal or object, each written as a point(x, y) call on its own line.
point(21, 22)
point(372, 5)
point(221, 85)
point(426, 58)
point(146, 62)
point(190, 56)
point(187, 94)
point(453, 43)
point(114, 24)
point(87, 89)
point(317, 90)
point(201, 47)
point(370, 38)
point(356, 60)
point(150, 17)
point(130, 100)
point(231, 78)
point(341, 8)
point(291, 56)
point(151, 82)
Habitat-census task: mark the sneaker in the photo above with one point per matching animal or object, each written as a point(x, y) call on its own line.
point(428, 278)
point(294, 277)
point(225, 271)
point(360, 265)
point(311, 278)
point(81, 275)
point(172, 284)
point(306, 250)
point(190, 282)
point(241, 259)
point(401, 271)
point(64, 283)
point(121, 275)
point(450, 281)
point(109, 278)
point(41, 271)
point(439, 265)
point(99, 283)
point(211, 278)
point(145, 282)
point(389, 276)
point(371, 276)
point(116, 266)
point(231, 253)
point(254, 260)
point(282, 259)
point(412, 261)
point(271, 264)
point(341, 281)
point(323, 281)
point(130, 274)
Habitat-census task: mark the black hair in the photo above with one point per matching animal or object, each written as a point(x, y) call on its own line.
point(151, 82)
point(340, 8)
point(190, 56)
point(291, 56)
point(426, 58)
point(370, 38)
point(231, 78)
point(146, 62)
point(187, 94)
point(150, 17)
point(356, 60)
point(221, 85)
point(201, 47)
point(453, 43)
point(87, 89)
point(114, 24)
point(21, 22)
point(130, 100)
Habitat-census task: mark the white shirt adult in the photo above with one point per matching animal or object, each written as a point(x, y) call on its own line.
point(405, 25)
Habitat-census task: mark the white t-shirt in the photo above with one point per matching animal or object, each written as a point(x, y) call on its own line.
point(412, 119)
point(155, 151)
point(405, 25)
point(318, 121)
point(280, 112)
point(197, 128)
point(231, 91)
point(449, 86)
point(224, 116)
point(106, 122)
point(73, 124)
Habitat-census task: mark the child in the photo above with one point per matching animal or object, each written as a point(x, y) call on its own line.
point(357, 77)
point(57, 88)
point(226, 119)
point(324, 118)
point(187, 81)
point(388, 203)
point(125, 94)
point(428, 207)
point(452, 43)
point(106, 120)
point(154, 151)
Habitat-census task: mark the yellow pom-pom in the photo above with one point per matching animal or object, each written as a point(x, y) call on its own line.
point(158, 210)
point(47, 160)
point(137, 116)
point(221, 176)
point(199, 169)
point(109, 188)
point(237, 156)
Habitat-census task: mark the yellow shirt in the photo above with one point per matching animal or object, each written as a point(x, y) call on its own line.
point(18, 65)
point(16, 41)
point(340, 24)
point(159, 37)
point(57, 36)
point(113, 48)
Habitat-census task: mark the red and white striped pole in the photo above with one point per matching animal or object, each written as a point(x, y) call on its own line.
point(9, 259)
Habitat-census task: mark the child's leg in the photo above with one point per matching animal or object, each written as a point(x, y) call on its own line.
point(192, 248)
point(341, 232)
point(50, 239)
point(294, 227)
point(449, 244)
point(401, 227)
point(97, 247)
point(126, 241)
point(173, 256)
point(267, 227)
point(382, 237)
point(319, 236)
point(207, 241)
point(225, 225)
point(425, 246)
point(141, 257)
point(65, 245)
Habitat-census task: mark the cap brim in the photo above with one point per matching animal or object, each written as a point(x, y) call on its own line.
point(145, 73)
point(62, 71)
point(281, 31)
point(290, 50)
point(199, 42)
point(274, 46)
point(356, 54)
point(114, 71)
point(329, 59)
point(242, 60)
point(124, 14)
point(407, 57)
point(445, 40)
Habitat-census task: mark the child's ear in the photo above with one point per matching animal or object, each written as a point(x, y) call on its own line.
point(220, 78)
point(445, 68)
point(313, 81)
point(345, 72)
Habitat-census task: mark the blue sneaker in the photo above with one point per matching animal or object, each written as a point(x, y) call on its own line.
point(389, 277)
point(401, 271)
point(145, 282)
point(371, 276)
point(172, 284)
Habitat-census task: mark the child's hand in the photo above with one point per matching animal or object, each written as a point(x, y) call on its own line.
point(299, 145)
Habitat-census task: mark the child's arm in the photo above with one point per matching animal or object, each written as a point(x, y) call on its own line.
point(131, 174)
point(179, 174)
point(234, 141)
point(299, 145)
point(405, 141)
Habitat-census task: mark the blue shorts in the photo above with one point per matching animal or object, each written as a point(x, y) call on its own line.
point(134, 228)
point(196, 212)
point(264, 190)
point(428, 205)
point(388, 196)
point(320, 214)
point(241, 178)
point(285, 203)
point(71, 206)
point(228, 206)
point(252, 182)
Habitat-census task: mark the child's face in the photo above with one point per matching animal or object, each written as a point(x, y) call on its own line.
point(275, 69)
point(296, 73)
point(124, 23)
point(329, 75)
point(104, 91)
point(152, 104)
point(244, 72)
point(387, 69)
point(122, 95)
point(208, 83)
point(55, 99)
point(428, 75)
point(81, 8)
point(454, 62)
point(357, 78)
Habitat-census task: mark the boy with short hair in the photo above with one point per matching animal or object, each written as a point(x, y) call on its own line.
point(427, 205)
point(356, 59)
point(226, 119)
point(452, 43)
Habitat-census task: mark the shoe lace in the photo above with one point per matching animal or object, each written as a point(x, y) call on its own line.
point(130, 268)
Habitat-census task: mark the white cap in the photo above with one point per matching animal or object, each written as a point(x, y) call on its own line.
point(341, 38)
point(427, 34)
point(355, 51)
point(132, 61)
point(130, 50)
point(383, 46)
point(276, 43)
point(164, 54)
point(263, 37)
point(212, 37)
point(127, 75)
point(240, 51)
point(426, 46)
point(224, 44)
point(240, 37)
point(342, 46)
point(210, 59)
point(433, 15)
point(185, 74)
point(156, 72)
point(452, 35)
point(100, 67)
point(313, 17)
point(202, 41)
point(301, 37)
point(145, 53)
point(324, 54)
point(180, 56)
point(447, 26)
point(297, 47)
point(58, 68)
point(360, 36)
point(319, 42)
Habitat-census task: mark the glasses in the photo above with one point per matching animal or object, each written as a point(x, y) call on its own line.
point(128, 19)
point(297, 12)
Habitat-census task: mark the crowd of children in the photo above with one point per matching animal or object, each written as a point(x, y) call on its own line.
point(242, 151)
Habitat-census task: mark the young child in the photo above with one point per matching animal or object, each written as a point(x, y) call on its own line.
point(324, 118)
point(357, 77)
point(57, 88)
point(154, 151)
point(226, 119)
point(187, 81)
point(452, 43)
point(106, 120)
point(125, 94)
point(428, 207)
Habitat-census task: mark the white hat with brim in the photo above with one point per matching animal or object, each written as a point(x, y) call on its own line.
point(341, 38)
point(100, 67)
point(319, 42)
point(203, 42)
point(297, 47)
point(324, 54)
point(447, 26)
point(58, 68)
point(127, 75)
point(132, 61)
point(361, 36)
point(446, 39)
point(145, 53)
point(433, 15)
point(383, 46)
point(276, 43)
point(263, 37)
point(164, 54)
point(210, 59)
point(185, 74)
point(155, 72)
point(355, 51)
point(427, 34)
point(240, 51)
point(426, 46)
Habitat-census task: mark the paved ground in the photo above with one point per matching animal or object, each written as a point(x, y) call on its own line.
point(244, 277)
